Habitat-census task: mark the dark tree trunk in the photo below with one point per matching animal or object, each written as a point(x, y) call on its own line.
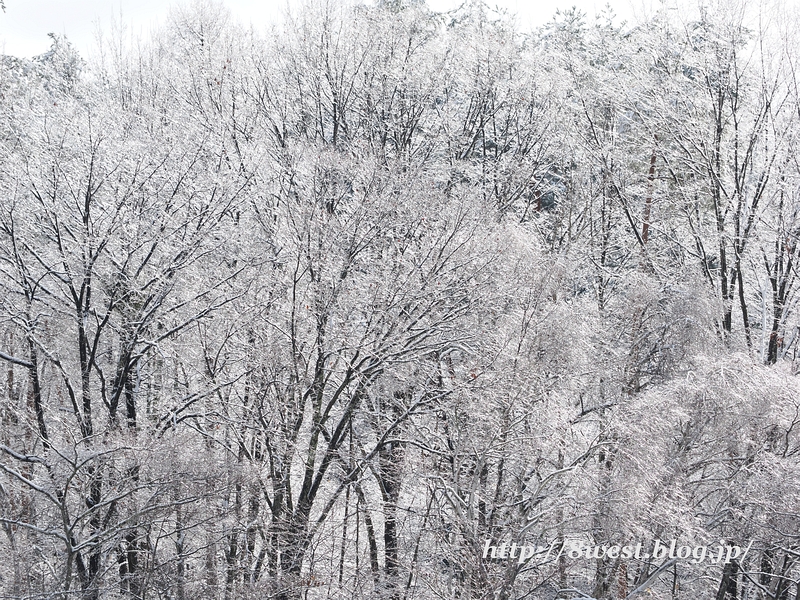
point(390, 460)
point(728, 586)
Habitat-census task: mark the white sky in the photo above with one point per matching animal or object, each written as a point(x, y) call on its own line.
point(25, 24)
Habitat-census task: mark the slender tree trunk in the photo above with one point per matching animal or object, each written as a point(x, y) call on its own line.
point(390, 460)
point(649, 199)
point(728, 588)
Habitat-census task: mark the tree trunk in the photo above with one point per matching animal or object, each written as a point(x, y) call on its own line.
point(728, 586)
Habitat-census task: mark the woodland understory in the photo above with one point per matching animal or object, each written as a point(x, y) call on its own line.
point(320, 310)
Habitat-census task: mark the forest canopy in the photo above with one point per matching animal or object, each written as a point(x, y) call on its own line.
point(326, 310)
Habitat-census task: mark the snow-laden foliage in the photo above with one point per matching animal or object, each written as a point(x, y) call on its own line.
point(328, 311)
